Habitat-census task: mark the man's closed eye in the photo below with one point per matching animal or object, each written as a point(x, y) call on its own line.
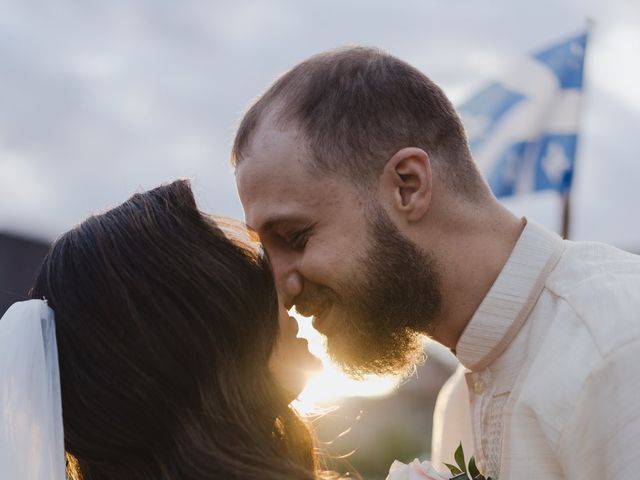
point(299, 239)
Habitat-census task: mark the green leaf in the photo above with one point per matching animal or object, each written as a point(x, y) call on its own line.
point(461, 476)
point(459, 457)
point(473, 469)
point(453, 469)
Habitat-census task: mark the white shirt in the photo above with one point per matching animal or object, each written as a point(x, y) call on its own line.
point(549, 381)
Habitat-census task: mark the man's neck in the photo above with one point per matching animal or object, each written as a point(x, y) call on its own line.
point(476, 260)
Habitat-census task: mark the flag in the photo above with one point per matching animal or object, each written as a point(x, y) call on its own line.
point(523, 128)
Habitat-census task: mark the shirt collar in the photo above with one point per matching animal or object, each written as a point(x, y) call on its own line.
point(511, 298)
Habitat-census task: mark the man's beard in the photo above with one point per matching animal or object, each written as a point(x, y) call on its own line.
point(381, 313)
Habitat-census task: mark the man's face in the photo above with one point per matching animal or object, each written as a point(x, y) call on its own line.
point(337, 256)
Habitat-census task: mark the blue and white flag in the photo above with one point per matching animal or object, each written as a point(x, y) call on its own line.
point(523, 129)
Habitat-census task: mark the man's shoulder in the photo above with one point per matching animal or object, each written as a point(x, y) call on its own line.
point(601, 285)
point(596, 257)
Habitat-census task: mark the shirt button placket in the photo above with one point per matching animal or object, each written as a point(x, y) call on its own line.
point(479, 386)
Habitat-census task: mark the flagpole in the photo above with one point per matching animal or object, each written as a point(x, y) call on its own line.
point(566, 195)
point(566, 213)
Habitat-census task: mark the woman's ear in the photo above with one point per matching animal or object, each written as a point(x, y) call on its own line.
point(406, 183)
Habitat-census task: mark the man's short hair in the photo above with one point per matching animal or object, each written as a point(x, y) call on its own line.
point(358, 106)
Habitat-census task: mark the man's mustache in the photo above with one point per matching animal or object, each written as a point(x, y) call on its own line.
point(313, 301)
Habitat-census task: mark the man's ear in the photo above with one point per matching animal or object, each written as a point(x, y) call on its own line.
point(407, 182)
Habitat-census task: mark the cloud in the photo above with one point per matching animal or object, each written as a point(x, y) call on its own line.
point(104, 98)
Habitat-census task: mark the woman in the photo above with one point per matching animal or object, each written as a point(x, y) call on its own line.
point(176, 360)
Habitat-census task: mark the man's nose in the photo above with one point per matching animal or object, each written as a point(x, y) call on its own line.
point(293, 285)
point(289, 281)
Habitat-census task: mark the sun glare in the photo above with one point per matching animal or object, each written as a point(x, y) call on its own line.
point(329, 385)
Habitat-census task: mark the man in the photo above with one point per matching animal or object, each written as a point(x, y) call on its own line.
point(355, 171)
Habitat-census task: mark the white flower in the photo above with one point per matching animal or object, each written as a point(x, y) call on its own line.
point(414, 471)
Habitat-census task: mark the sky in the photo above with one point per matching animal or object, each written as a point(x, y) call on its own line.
point(99, 100)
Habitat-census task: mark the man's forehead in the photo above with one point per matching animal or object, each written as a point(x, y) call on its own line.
point(260, 179)
point(275, 181)
point(272, 152)
point(272, 198)
point(276, 193)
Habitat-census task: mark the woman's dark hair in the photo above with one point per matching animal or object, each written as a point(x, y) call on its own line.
point(165, 325)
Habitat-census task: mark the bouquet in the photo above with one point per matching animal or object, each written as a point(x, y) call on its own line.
point(417, 470)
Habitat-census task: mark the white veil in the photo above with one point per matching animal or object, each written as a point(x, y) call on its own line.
point(31, 433)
